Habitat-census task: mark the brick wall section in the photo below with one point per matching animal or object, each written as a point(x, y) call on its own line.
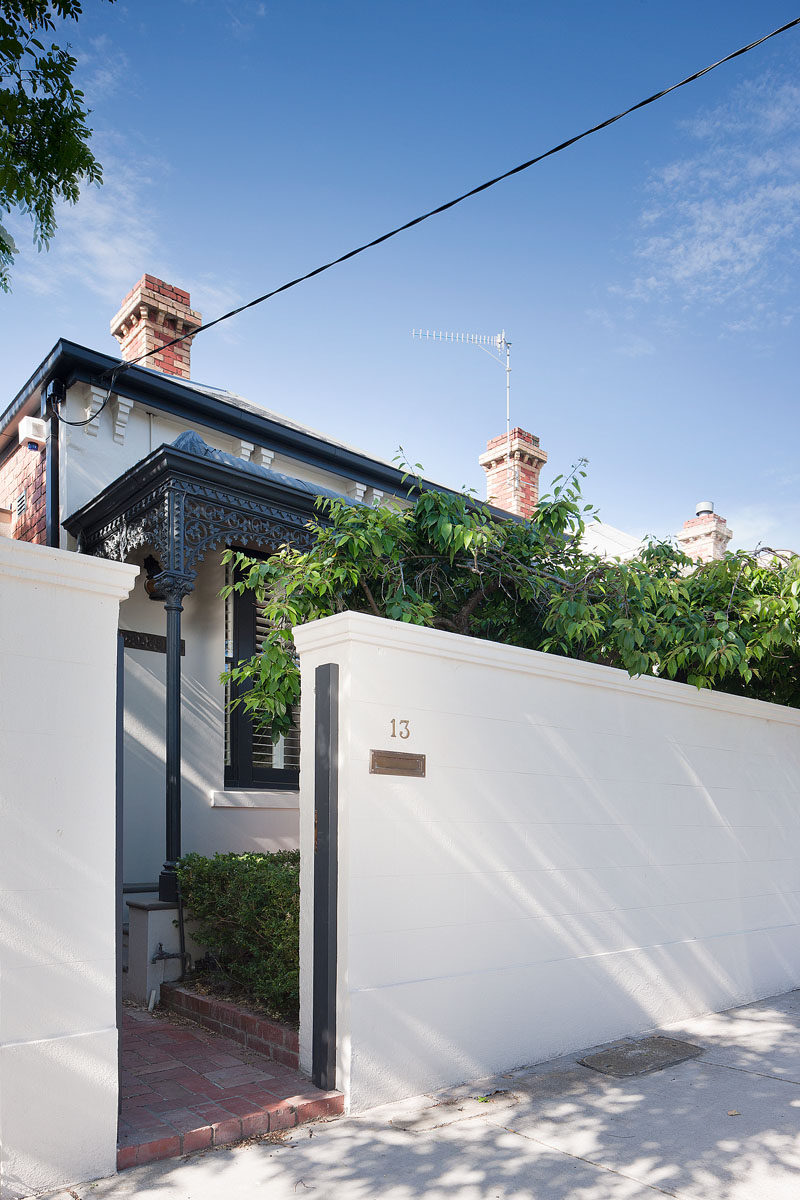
point(24, 471)
point(152, 314)
point(513, 484)
point(270, 1038)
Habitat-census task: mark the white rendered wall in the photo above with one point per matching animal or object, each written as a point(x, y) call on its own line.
point(587, 857)
point(58, 1036)
point(213, 820)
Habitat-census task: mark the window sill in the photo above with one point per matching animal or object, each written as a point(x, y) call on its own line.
point(258, 798)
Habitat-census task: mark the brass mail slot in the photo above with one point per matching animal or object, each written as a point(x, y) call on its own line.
point(395, 762)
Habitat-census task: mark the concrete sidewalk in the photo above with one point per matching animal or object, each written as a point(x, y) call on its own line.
point(722, 1126)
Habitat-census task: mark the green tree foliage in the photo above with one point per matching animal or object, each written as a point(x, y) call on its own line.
point(44, 137)
point(449, 563)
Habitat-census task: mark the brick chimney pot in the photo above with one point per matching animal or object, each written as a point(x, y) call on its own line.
point(152, 314)
point(513, 484)
point(705, 538)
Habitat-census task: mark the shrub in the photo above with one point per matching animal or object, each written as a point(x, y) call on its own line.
point(247, 909)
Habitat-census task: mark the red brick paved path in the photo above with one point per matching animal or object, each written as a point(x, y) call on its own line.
point(184, 1088)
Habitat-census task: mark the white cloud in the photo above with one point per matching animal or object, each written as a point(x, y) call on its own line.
point(213, 296)
point(602, 317)
point(635, 346)
point(106, 241)
point(622, 341)
point(109, 240)
point(773, 525)
point(720, 225)
point(103, 69)
point(241, 18)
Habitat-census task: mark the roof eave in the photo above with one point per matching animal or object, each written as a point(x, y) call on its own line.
point(73, 363)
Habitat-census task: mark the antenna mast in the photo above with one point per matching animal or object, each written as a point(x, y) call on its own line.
point(489, 343)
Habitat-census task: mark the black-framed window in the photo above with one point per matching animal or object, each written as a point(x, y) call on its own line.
point(253, 759)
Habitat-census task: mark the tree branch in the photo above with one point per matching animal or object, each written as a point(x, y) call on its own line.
point(467, 610)
point(370, 598)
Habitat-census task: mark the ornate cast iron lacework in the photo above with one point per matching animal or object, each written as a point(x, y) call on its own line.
point(144, 524)
point(209, 522)
point(183, 519)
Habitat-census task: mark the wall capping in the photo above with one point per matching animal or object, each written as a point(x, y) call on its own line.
point(65, 568)
point(361, 628)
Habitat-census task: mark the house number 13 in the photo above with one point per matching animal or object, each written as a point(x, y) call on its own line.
point(400, 729)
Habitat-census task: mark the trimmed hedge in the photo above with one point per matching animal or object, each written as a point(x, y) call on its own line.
point(247, 909)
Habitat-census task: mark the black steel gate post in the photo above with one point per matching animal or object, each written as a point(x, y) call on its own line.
point(326, 817)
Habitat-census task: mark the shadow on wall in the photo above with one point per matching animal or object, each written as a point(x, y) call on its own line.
point(81, 1082)
point(569, 901)
point(143, 767)
point(205, 829)
point(57, 965)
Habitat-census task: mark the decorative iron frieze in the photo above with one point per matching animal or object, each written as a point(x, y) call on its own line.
point(182, 519)
point(208, 525)
point(143, 524)
point(156, 643)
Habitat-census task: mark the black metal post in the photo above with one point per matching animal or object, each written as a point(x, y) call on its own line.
point(326, 823)
point(173, 587)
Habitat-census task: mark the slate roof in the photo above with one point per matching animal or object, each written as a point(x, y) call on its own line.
point(191, 443)
point(260, 410)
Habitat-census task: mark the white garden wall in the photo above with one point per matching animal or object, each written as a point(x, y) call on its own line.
point(587, 856)
point(58, 1035)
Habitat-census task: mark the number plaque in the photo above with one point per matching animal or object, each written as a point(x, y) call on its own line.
point(397, 762)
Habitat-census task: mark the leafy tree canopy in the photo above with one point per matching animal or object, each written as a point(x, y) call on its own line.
point(449, 563)
point(44, 150)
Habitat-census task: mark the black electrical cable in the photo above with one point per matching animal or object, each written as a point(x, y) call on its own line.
point(459, 199)
point(53, 407)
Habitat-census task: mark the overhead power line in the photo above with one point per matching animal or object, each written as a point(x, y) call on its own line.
point(482, 187)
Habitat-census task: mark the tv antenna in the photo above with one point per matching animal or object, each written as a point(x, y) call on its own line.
point(498, 347)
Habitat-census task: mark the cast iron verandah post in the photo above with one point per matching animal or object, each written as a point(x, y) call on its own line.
point(173, 585)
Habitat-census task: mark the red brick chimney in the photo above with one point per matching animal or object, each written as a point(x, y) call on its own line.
point(153, 313)
point(706, 536)
point(512, 465)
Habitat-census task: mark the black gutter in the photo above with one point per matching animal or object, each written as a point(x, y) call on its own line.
point(73, 364)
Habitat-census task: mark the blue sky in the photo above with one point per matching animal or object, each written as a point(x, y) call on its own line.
point(647, 278)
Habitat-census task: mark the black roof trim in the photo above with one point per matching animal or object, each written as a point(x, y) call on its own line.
point(73, 363)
